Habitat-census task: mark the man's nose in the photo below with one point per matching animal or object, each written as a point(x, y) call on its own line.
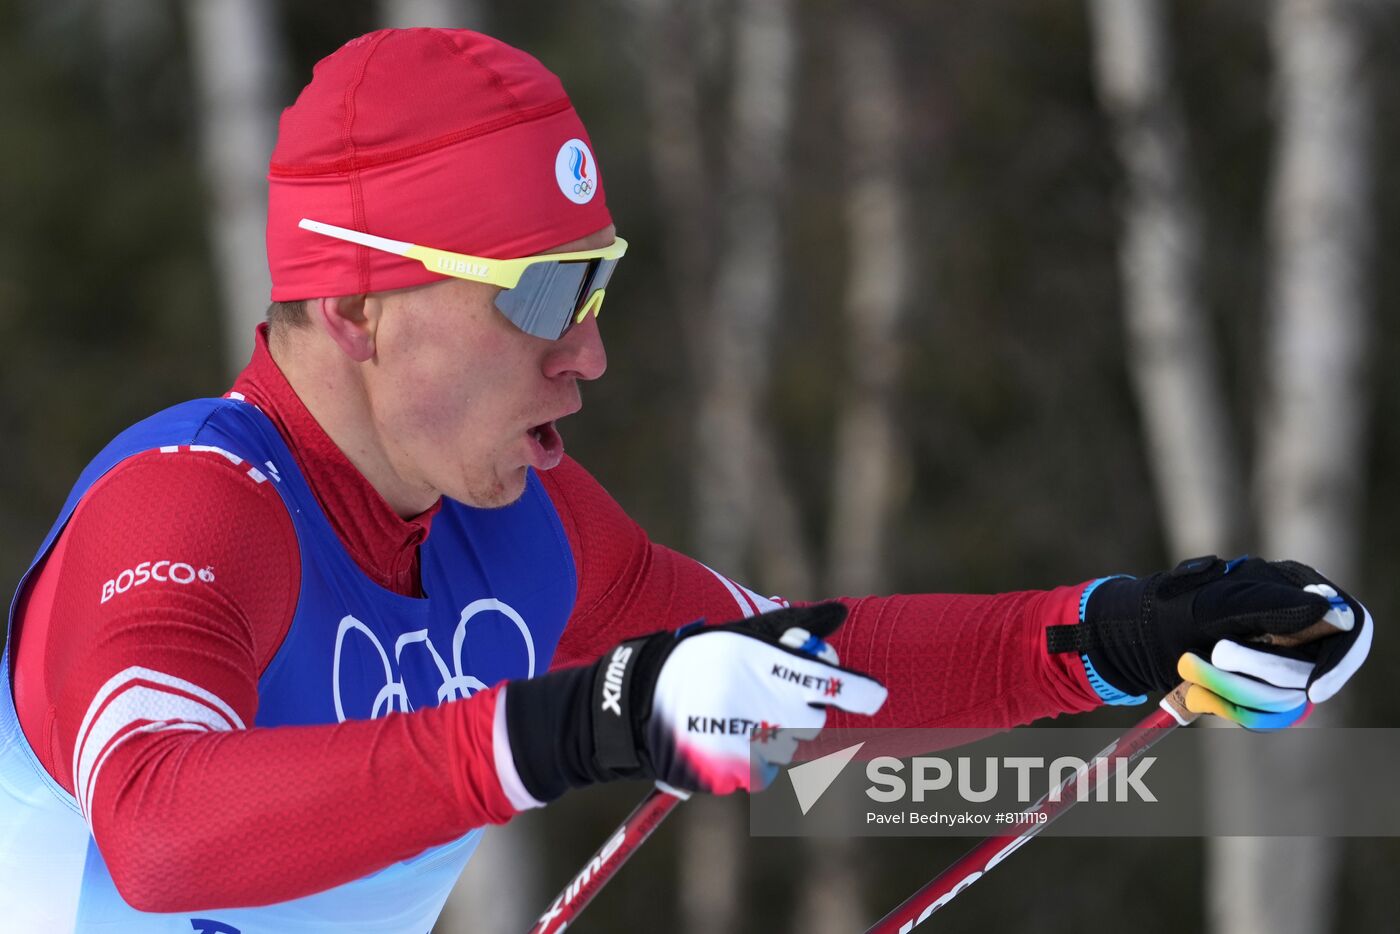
point(578, 353)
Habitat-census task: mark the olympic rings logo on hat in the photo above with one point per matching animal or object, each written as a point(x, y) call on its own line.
point(576, 172)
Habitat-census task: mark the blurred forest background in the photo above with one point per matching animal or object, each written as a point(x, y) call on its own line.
point(978, 297)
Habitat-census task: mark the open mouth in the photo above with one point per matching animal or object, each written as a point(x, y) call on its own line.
point(546, 446)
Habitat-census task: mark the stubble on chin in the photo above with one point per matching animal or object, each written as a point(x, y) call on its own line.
point(495, 495)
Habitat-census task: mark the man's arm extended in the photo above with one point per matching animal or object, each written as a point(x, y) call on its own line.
point(948, 659)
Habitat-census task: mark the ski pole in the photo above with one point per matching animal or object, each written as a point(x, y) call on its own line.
point(605, 863)
point(662, 799)
point(978, 861)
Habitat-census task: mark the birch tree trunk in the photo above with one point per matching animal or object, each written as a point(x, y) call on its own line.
point(733, 471)
point(727, 328)
point(237, 57)
point(405, 14)
point(1314, 411)
point(1308, 481)
point(672, 76)
point(736, 345)
point(868, 458)
point(867, 455)
point(1171, 355)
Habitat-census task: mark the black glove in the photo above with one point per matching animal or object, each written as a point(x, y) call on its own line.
point(685, 707)
point(1144, 635)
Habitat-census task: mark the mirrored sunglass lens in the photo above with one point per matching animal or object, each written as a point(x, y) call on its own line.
point(590, 299)
point(601, 277)
point(543, 302)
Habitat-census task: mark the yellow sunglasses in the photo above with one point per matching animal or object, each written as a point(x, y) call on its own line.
point(543, 295)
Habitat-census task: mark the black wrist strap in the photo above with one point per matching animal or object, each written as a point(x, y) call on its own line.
point(1116, 635)
point(1074, 637)
point(614, 701)
point(546, 720)
point(579, 726)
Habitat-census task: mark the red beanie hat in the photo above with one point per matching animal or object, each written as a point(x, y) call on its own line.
point(440, 137)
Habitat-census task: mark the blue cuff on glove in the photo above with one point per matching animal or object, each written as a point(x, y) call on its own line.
point(1109, 693)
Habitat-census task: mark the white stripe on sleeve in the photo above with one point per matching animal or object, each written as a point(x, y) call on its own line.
point(750, 603)
point(745, 606)
point(140, 700)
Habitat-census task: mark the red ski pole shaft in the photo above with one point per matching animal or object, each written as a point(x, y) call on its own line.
point(1171, 713)
point(990, 852)
point(605, 863)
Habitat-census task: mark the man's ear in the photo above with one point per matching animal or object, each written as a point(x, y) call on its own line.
point(351, 321)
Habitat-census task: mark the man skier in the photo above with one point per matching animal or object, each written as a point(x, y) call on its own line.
point(285, 653)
